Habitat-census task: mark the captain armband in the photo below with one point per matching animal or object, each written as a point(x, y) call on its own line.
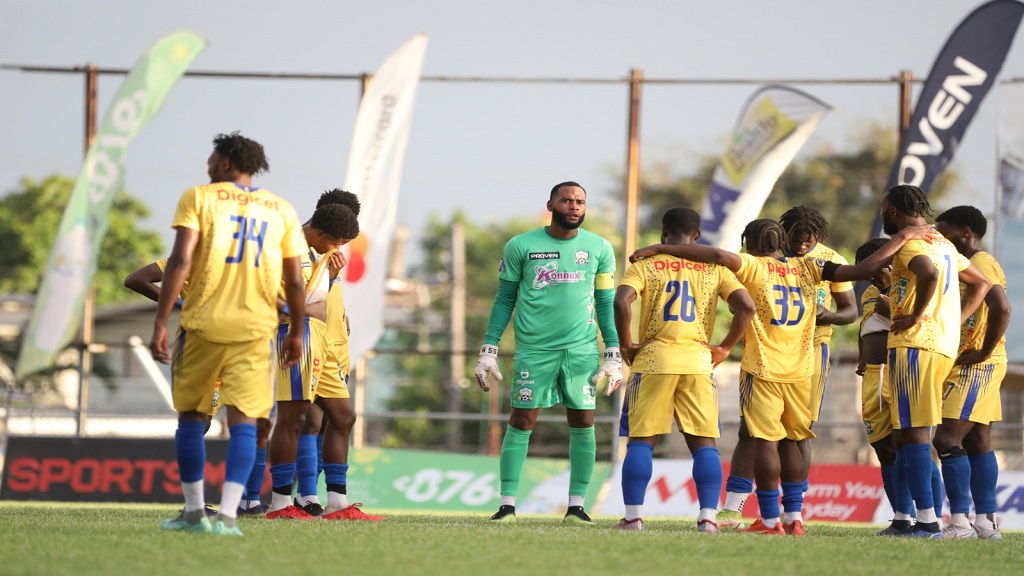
point(604, 281)
point(828, 271)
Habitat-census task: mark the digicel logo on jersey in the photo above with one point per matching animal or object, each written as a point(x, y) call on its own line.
point(679, 265)
point(783, 269)
point(243, 198)
point(357, 250)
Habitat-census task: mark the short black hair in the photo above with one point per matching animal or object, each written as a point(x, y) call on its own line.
point(566, 183)
point(764, 236)
point(968, 216)
point(800, 220)
point(868, 248)
point(681, 220)
point(909, 200)
point(335, 220)
point(245, 155)
point(339, 196)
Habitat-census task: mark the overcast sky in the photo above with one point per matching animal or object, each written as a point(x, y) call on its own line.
point(492, 149)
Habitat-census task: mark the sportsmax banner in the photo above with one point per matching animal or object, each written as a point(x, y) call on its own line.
point(774, 124)
point(962, 74)
point(374, 172)
point(72, 265)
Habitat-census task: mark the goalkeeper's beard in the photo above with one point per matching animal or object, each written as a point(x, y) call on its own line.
point(563, 220)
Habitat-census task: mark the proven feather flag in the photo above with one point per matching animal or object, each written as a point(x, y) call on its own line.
point(775, 123)
point(71, 268)
point(374, 173)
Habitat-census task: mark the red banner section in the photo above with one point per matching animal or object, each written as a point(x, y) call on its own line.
point(835, 493)
point(103, 470)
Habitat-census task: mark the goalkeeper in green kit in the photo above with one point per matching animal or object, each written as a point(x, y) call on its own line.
point(559, 281)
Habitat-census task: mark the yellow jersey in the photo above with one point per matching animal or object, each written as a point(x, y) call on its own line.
point(938, 330)
point(777, 345)
point(244, 234)
point(823, 296)
point(678, 303)
point(972, 333)
point(867, 303)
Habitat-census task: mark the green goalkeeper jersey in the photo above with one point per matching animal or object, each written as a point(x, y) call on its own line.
point(557, 278)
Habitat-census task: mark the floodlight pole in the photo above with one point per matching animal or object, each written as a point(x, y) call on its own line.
point(906, 81)
point(85, 357)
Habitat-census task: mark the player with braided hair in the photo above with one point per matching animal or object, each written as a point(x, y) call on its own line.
point(775, 376)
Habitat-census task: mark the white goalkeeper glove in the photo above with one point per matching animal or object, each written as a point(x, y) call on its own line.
point(487, 372)
point(611, 366)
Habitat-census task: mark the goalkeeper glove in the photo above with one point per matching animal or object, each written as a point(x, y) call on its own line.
point(611, 366)
point(487, 367)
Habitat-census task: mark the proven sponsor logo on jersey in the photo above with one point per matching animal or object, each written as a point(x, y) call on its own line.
point(545, 255)
point(548, 275)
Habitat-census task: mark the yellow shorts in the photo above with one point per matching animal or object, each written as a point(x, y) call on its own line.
point(972, 393)
point(299, 382)
point(334, 378)
point(653, 400)
point(818, 378)
point(874, 403)
point(915, 386)
point(775, 410)
point(244, 371)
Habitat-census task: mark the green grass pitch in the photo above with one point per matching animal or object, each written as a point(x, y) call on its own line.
point(115, 539)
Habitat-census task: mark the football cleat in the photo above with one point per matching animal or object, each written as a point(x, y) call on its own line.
point(794, 528)
point(194, 521)
point(707, 527)
point(759, 527)
point(926, 530)
point(956, 532)
point(290, 513)
point(224, 526)
point(986, 534)
point(634, 524)
point(730, 520)
point(505, 513)
point(898, 528)
point(576, 515)
point(258, 509)
point(311, 508)
point(351, 513)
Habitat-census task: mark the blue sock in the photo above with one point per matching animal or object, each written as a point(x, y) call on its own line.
point(984, 475)
point(888, 471)
point(305, 465)
point(707, 476)
point(241, 453)
point(254, 485)
point(938, 492)
point(901, 484)
point(768, 502)
point(637, 468)
point(739, 485)
point(792, 496)
point(956, 475)
point(282, 476)
point(319, 453)
point(919, 473)
point(191, 450)
point(336, 474)
point(805, 485)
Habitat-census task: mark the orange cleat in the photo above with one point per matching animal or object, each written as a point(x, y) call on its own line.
point(351, 513)
point(794, 528)
point(290, 513)
point(758, 527)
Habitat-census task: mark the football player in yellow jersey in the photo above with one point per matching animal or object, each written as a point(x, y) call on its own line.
point(927, 311)
point(324, 443)
point(235, 244)
point(970, 400)
point(775, 377)
point(331, 227)
point(672, 364)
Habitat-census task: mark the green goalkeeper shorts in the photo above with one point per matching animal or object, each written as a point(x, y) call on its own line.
point(543, 378)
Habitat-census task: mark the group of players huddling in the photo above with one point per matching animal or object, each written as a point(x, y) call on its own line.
point(931, 348)
point(263, 319)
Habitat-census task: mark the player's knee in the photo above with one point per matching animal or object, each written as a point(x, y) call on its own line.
point(976, 444)
point(954, 451)
point(885, 451)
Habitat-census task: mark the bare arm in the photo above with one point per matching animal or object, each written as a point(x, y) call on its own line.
point(178, 265)
point(927, 283)
point(295, 294)
point(693, 252)
point(144, 281)
point(624, 297)
point(846, 310)
point(976, 288)
point(998, 321)
point(743, 310)
point(872, 265)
